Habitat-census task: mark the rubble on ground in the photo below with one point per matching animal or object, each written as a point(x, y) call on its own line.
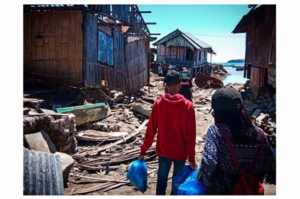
point(66, 164)
point(261, 108)
point(102, 149)
point(60, 128)
point(39, 141)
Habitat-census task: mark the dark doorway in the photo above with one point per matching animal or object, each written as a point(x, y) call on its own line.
point(189, 54)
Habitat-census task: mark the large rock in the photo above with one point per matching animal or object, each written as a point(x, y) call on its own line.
point(144, 109)
point(40, 141)
point(61, 129)
point(66, 164)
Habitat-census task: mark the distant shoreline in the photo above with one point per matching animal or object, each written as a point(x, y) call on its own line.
point(226, 65)
point(236, 61)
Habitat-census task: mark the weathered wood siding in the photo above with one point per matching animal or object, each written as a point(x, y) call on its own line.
point(179, 41)
point(53, 44)
point(136, 65)
point(119, 50)
point(255, 76)
point(203, 57)
point(261, 48)
point(161, 53)
point(121, 12)
point(261, 39)
point(116, 74)
point(93, 68)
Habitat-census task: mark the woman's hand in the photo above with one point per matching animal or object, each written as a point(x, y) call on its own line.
point(199, 175)
point(141, 157)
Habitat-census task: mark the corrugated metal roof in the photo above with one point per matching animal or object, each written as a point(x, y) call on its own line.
point(198, 42)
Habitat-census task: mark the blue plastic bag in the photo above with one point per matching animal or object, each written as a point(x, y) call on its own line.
point(181, 177)
point(138, 175)
point(192, 186)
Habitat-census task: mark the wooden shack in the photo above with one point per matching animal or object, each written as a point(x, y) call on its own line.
point(87, 45)
point(260, 59)
point(183, 49)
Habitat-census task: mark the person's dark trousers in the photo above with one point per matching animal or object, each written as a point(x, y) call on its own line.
point(164, 165)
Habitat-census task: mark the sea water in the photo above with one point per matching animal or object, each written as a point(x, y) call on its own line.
point(236, 76)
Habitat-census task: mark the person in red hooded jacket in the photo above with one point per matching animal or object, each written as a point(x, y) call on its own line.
point(173, 119)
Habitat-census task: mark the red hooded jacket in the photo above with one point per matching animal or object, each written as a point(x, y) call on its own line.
point(173, 117)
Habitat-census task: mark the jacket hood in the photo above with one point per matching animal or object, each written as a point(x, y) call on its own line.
point(173, 101)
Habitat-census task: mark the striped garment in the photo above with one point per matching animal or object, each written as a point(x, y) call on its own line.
point(219, 173)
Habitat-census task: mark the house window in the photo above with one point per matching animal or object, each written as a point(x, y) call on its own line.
point(105, 48)
point(162, 50)
point(199, 56)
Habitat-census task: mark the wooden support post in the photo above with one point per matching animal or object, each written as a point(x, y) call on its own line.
point(84, 63)
point(148, 50)
point(210, 63)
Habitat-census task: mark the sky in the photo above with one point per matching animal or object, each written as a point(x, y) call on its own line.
point(212, 24)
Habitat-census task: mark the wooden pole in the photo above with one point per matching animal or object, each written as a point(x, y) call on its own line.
point(210, 62)
point(148, 65)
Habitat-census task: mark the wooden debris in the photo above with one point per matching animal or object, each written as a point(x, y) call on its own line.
point(107, 186)
point(100, 179)
point(95, 152)
point(98, 136)
point(91, 168)
point(26, 111)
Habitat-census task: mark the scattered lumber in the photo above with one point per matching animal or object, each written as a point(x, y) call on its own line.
point(95, 152)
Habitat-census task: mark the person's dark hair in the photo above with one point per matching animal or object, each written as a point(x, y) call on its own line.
point(228, 108)
point(173, 78)
point(240, 123)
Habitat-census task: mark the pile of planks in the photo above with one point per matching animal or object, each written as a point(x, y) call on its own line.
point(123, 149)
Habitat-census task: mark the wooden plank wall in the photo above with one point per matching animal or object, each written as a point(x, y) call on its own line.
point(136, 65)
point(93, 68)
point(53, 44)
point(255, 76)
point(261, 39)
point(119, 59)
point(119, 50)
